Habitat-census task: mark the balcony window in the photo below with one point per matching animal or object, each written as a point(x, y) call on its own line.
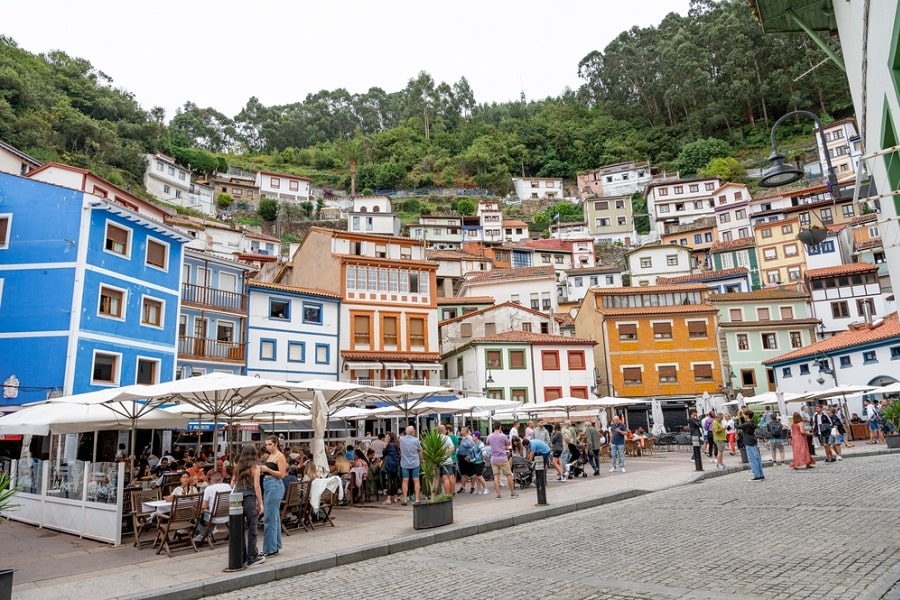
point(111, 302)
point(117, 239)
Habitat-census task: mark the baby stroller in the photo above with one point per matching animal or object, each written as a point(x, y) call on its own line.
point(577, 461)
point(522, 471)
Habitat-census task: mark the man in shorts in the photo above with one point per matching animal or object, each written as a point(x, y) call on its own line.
point(410, 463)
point(499, 445)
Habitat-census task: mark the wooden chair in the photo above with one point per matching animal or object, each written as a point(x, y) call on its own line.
point(184, 515)
point(170, 481)
point(327, 503)
point(127, 522)
point(605, 453)
point(218, 515)
point(290, 506)
point(142, 521)
point(372, 484)
point(648, 446)
point(304, 509)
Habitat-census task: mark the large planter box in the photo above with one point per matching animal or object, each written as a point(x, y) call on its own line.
point(892, 441)
point(859, 431)
point(432, 514)
point(6, 583)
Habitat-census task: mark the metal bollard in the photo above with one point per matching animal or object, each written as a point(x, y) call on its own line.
point(540, 479)
point(235, 532)
point(698, 452)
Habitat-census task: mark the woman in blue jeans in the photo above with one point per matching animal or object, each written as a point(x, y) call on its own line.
point(273, 471)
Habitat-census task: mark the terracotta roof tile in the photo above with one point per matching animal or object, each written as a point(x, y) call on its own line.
point(518, 273)
point(848, 269)
point(661, 310)
point(261, 236)
point(514, 223)
point(747, 242)
point(869, 244)
point(453, 255)
point(650, 289)
point(398, 356)
point(554, 245)
point(530, 337)
point(860, 219)
point(564, 319)
point(756, 295)
point(487, 309)
point(888, 328)
point(704, 276)
point(445, 301)
point(280, 287)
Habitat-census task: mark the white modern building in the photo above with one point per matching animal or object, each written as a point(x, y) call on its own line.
point(168, 182)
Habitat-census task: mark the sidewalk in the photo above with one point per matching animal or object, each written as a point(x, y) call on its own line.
point(56, 566)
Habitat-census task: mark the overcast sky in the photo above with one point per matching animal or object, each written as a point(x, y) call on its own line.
point(167, 53)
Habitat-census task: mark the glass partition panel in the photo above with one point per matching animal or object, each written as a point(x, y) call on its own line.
point(30, 475)
point(103, 482)
point(67, 480)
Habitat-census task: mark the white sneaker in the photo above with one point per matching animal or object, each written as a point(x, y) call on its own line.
point(485, 492)
point(838, 456)
point(623, 469)
point(613, 470)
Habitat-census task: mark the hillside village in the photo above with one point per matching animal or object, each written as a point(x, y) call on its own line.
point(722, 297)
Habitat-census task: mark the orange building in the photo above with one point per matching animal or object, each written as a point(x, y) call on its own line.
point(656, 341)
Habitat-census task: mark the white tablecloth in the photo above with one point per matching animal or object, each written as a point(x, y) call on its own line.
point(319, 485)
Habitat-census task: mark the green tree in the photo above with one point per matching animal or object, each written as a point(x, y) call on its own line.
point(465, 206)
point(696, 155)
point(268, 209)
point(726, 169)
point(223, 200)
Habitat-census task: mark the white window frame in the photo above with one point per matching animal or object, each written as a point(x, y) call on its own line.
point(162, 312)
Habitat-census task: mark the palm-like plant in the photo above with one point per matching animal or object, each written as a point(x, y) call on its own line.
point(6, 493)
point(434, 453)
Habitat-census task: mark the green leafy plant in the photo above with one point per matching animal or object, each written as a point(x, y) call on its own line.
point(434, 453)
point(6, 494)
point(891, 414)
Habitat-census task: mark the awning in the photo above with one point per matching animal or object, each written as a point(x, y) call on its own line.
point(363, 366)
point(428, 366)
point(397, 365)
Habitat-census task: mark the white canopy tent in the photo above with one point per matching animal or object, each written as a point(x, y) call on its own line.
point(48, 418)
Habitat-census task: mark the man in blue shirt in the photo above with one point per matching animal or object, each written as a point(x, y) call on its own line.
point(538, 447)
point(618, 429)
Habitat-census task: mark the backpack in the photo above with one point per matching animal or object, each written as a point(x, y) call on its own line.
point(776, 430)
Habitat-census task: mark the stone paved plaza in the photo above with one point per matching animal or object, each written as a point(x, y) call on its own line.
point(830, 532)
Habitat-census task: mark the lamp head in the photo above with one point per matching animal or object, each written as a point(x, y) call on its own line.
point(779, 173)
point(812, 237)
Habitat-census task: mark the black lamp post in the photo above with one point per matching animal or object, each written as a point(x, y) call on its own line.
point(487, 381)
point(781, 173)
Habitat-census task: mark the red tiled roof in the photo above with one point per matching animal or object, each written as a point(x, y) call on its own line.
point(375, 260)
point(859, 220)
point(848, 269)
point(661, 310)
point(249, 256)
point(756, 295)
point(453, 255)
point(747, 242)
point(530, 337)
point(650, 289)
point(280, 287)
point(554, 244)
point(441, 301)
point(564, 319)
point(514, 223)
point(702, 276)
point(518, 273)
point(261, 236)
point(487, 309)
point(400, 356)
point(888, 328)
point(869, 244)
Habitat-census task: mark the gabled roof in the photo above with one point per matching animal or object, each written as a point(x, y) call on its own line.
point(757, 295)
point(860, 219)
point(285, 175)
point(491, 308)
point(552, 245)
point(514, 223)
point(19, 153)
point(889, 327)
point(280, 287)
point(530, 337)
point(458, 300)
point(747, 242)
point(564, 319)
point(453, 255)
point(849, 269)
point(512, 274)
point(674, 309)
point(261, 236)
point(704, 276)
point(649, 289)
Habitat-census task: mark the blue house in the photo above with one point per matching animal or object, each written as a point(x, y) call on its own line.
point(213, 321)
point(89, 291)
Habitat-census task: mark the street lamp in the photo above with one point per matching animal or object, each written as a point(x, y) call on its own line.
point(487, 381)
point(782, 174)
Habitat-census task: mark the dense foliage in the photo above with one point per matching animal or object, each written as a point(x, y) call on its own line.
point(694, 88)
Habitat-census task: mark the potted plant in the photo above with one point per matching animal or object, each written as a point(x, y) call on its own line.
point(891, 414)
point(7, 491)
point(437, 508)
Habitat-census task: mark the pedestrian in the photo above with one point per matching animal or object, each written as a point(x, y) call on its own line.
point(477, 460)
point(448, 468)
point(537, 448)
point(807, 425)
point(617, 431)
point(390, 466)
point(720, 439)
point(834, 436)
point(569, 437)
point(529, 430)
point(776, 439)
point(730, 432)
point(706, 432)
point(410, 463)
point(246, 482)
point(822, 428)
point(556, 448)
point(799, 446)
point(748, 435)
point(541, 433)
point(273, 472)
point(592, 446)
point(695, 429)
point(500, 445)
point(464, 453)
point(872, 416)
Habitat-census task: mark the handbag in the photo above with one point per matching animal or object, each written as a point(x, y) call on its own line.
point(835, 432)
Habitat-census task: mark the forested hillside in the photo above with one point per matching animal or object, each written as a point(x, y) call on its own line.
point(711, 73)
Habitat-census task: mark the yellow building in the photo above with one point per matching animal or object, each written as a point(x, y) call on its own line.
point(779, 253)
point(655, 341)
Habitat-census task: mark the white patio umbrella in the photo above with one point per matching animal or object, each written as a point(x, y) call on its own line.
point(407, 396)
point(48, 418)
point(659, 426)
point(571, 403)
point(320, 422)
point(893, 388)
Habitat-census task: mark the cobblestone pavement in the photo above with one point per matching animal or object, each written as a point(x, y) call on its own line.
point(829, 532)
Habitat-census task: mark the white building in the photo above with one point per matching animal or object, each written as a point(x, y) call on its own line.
point(680, 201)
point(168, 182)
point(534, 287)
point(647, 263)
point(732, 212)
point(622, 179)
point(373, 214)
point(282, 187)
point(538, 188)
